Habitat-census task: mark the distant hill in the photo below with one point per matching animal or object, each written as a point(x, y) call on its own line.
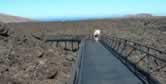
point(144, 15)
point(12, 19)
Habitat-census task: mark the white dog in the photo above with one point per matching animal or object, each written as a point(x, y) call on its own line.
point(96, 34)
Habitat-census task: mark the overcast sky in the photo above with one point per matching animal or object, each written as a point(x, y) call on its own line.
point(80, 8)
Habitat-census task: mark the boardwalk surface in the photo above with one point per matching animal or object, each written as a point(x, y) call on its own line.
point(99, 66)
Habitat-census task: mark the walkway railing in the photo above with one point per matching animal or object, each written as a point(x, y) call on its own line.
point(68, 42)
point(145, 62)
point(79, 39)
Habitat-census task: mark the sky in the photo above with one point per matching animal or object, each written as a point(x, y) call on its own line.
point(37, 9)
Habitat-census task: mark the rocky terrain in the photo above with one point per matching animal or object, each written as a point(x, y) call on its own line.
point(27, 60)
point(150, 31)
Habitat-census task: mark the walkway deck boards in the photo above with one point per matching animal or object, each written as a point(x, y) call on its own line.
point(101, 67)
